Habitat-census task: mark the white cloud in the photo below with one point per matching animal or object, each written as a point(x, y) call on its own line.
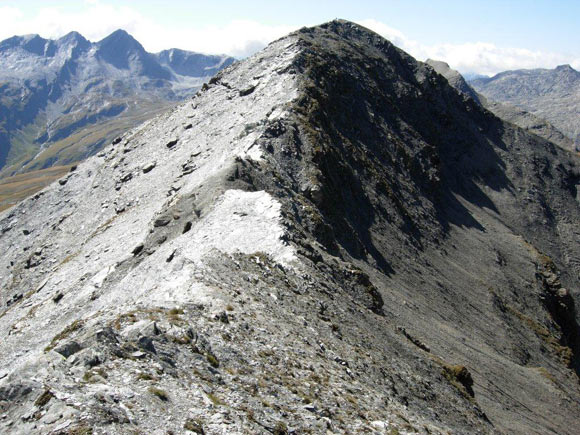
point(98, 19)
point(240, 38)
point(473, 57)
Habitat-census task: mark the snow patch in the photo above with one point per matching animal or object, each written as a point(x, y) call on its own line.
point(246, 222)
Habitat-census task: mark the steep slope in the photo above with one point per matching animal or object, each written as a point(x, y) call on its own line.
point(454, 78)
point(507, 112)
point(553, 95)
point(328, 237)
point(53, 89)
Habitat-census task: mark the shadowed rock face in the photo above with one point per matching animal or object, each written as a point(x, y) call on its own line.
point(327, 237)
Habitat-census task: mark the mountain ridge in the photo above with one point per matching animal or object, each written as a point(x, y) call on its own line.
point(328, 237)
point(507, 112)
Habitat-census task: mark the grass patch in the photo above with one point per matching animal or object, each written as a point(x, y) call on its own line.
point(215, 399)
point(74, 326)
point(90, 376)
point(159, 393)
point(146, 377)
point(174, 315)
point(280, 428)
point(15, 189)
point(194, 426)
point(44, 398)
point(212, 360)
point(564, 352)
point(80, 430)
point(546, 374)
point(460, 378)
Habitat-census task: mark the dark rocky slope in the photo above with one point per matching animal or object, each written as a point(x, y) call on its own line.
point(328, 237)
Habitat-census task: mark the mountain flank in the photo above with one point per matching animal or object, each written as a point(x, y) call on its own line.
point(327, 238)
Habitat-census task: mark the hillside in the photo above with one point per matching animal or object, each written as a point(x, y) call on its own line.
point(327, 238)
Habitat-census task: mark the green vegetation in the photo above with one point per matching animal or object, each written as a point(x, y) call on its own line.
point(146, 377)
point(546, 374)
point(15, 189)
point(460, 378)
point(280, 428)
point(563, 352)
point(80, 430)
point(194, 426)
point(212, 360)
point(215, 399)
point(90, 376)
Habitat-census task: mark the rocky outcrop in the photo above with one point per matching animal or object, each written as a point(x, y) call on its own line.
point(336, 240)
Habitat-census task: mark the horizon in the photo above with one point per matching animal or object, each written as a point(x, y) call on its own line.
point(480, 38)
point(468, 75)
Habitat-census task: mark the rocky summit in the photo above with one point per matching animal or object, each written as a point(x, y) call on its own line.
point(328, 238)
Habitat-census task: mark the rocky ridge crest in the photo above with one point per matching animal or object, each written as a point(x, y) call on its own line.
point(327, 237)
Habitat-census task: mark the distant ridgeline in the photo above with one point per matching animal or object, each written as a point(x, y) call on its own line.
point(62, 100)
point(519, 110)
point(550, 94)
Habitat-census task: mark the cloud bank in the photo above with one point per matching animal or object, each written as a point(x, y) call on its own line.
point(474, 57)
point(241, 38)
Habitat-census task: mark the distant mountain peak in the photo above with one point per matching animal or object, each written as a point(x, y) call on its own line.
point(565, 67)
point(124, 52)
point(120, 40)
point(72, 36)
point(551, 94)
point(91, 83)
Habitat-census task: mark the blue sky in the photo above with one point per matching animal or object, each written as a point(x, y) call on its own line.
point(472, 36)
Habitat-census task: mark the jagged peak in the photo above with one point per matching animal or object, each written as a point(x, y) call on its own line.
point(72, 36)
point(565, 67)
point(121, 40)
point(24, 41)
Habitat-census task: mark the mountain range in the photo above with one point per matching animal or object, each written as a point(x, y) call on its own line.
point(550, 94)
point(62, 100)
point(328, 238)
point(505, 111)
